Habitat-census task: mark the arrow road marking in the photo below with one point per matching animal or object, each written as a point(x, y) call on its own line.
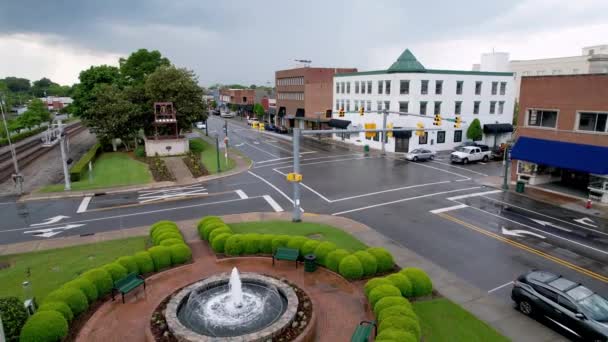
point(519, 233)
point(545, 223)
point(51, 220)
point(239, 145)
point(586, 221)
point(49, 232)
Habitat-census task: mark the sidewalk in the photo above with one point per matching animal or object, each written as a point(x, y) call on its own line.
point(498, 314)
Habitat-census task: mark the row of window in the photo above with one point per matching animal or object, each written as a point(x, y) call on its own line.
point(587, 121)
point(496, 107)
point(290, 81)
point(384, 87)
point(424, 139)
point(290, 96)
point(553, 72)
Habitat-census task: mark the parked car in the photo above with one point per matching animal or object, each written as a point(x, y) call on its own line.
point(420, 154)
point(251, 120)
point(281, 129)
point(228, 114)
point(200, 125)
point(472, 143)
point(469, 154)
point(569, 304)
point(268, 126)
point(216, 112)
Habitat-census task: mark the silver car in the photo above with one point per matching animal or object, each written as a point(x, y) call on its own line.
point(420, 154)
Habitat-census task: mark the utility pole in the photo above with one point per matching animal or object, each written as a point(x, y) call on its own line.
point(226, 127)
point(17, 177)
point(64, 159)
point(506, 161)
point(296, 169)
point(384, 116)
point(207, 127)
point(217, 150)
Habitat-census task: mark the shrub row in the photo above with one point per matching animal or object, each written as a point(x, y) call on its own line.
point(83, 163)
point(411, 282)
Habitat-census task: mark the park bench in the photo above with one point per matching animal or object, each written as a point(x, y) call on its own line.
point(283, 253)
point(363, 331)
point(128, 284)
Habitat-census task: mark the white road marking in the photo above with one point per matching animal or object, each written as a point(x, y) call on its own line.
point(474, 195)
point(402, 200)
point(278, 161)
point(446, 209)
point(328, 161)
point(192, 190)
point(545, 223)
point(500, 287)
point(273, 203)
point(519, 232)
point(84, 204)
point(274, 187)
point(51, 220)
point(239, 145)
point(257, 148)
point(462, 168)
point(442, 170)
point(7, 203)
point(241, 194)
point(463, 180)
point(49, 232)
point(586, 221)
point(278, 147)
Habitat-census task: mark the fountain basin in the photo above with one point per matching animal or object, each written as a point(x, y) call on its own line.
point(213, 299)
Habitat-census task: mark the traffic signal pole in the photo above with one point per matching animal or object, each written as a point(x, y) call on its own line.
point(384, 138)
point(296, 169)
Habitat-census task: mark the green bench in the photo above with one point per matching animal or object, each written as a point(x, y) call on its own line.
point(363, 331)
point(283, 253)
point(128, 284)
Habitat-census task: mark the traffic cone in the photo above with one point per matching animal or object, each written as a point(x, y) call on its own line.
point(588, 205)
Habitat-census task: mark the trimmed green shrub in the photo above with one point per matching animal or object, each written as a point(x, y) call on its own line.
point(383, 258)
point(74, 298)
point(251, 243)
point(101, 279)
point(279, 241)
point(44, 326)
point(208, 228)
point(161, 223)
point(266, 243)
point(397, 335)
point(168, 235)
point(234, 245)
point(217, 232)
point(164, 230)
point(180, 253)
point(403, 323)
point(129, 263)
point(382, 291)
point(171, 242)
point(82, 164)
point(402, 282)
point(350, 268)
point(116, 270)
point(370, 285)
point(368, 261)
point(219, 242)
point(398, 310)
point(322, 250)
point(13, 317)
point(144, 262)
point(388, 302)
point(196, 146)
point(161, 256)
point(296, 242)
point(421, 283)
point(332, 261)
point(86, 286)
point(60, 307)
point(204, 222)
point(309, 247)
point(140, 152)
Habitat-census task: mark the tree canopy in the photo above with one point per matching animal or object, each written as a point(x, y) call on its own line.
point(474, 131)
point(35, 114)
point(258, 110)
point(140, 64)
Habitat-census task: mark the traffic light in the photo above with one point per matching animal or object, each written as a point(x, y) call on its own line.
point(437, 120)
point(457, 122)
point(388, 127)
point(361, 111)
point(420, 130)
point(341, 112)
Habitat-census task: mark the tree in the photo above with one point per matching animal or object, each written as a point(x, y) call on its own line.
point(234, 107)
point(474, 131)
point(253, 86)
point(258, 110)
point(89, 79)
point(213, 104)
point(59, 90)
point(35, 114)
point(140, 64)
point(515, 112)
point(18, 85)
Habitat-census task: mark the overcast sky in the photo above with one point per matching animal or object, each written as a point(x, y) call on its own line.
point(245, 41)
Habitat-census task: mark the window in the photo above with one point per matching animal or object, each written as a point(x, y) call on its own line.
point(379, 105)
point(424, 87)
point(458, 136)
point(501, 107)
point(561, 300)
point(404, 87)
point(387, 105)
point(476, 107)
point(348, 87)
point(369, 87)
point(343, 88)
point(356, 105)
point(437, 109)
point(441, 137)
point(592, 122)
point(542, 118)
point(459, 85)
point(422, 107)
point(342, 104)
point(540, 72)
point(387, 86)
point(337, 104)
point(494, 88)
point(478, 88)
point(356, 87)
point(556, 71)
point(458, 107)
point(492, 107)
point(362, 87)
point(422, 140)
point(337, 87)
point(403, 106)
point(503, 88)
point(380, 84)
point(369, 106)
point(551, 295)
point(438, 87)
point(244, 99)
point(575, 71)
point(348, 105)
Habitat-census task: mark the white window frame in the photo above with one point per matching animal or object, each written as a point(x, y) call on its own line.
point(542, 127)
point(578, 119)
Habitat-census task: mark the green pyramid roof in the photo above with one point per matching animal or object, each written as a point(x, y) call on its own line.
point(407, 62)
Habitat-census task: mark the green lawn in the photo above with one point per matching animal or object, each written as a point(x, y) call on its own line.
point(50, 269)
point(442, 320)
point(312, 230)
point(109, 170)
point(209, 158)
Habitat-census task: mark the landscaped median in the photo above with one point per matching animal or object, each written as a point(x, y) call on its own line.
point(208, 156)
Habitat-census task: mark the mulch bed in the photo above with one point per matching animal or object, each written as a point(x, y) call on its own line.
point(158, 168)
point(193, 162)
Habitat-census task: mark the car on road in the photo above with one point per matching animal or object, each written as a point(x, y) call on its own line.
point(200, 125)
point(251, 120)
point(469, 154)
point(216, 112)
point(228, 114)
point(568, 304)
point(472, 143)
point(420, 154)
point(281, 129)
point(268, 126)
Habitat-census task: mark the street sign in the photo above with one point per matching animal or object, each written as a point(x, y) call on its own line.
point(294, 177)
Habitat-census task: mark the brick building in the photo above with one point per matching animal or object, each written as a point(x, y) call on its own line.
point(562, 134)
point(242, 98)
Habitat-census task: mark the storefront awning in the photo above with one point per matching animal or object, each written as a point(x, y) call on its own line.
point(577, 157)
point(497, 128)
point(337, 123)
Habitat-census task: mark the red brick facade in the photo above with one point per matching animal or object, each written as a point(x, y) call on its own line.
point(238, 96)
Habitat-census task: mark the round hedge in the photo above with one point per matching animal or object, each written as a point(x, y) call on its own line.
point(251, 243)
point(332, 261)
point(280, 241)
point(167, 235)
point(296, 242)
point(370, 285)
point(266, 243)
point(234, 245)
point(86, 286)
point(116, 270)
point(421, 283)
point(180, 254)
point(309, 247)
point(208, 228)
point(129, 263)
point(171, 242)
point(44, 326)
point(217, 232)
point(219, 242)
point(164, 229)
point(403, 323)
point(368, 261)
point(101, 279)
point(13, 317)
point(350, 268)
point(74, 298)
point(322, 250)
point(161, 256)
point(383, 258)
point(144, 262)
point(382, 291)
point(402, 282)
point(163, 223)
point(60, 307)
point(396, 335)
point(388, 302)
point(398, 310)
point(208, 219)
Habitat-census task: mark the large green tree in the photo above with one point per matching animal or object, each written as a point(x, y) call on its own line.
point(18, 85)
point(36, 113)
point(258, 110)
point(140, 64)
point(474, 131)
point(89, 79)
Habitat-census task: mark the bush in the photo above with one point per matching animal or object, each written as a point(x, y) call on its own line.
point(421, 283)
point(219, 242)
point(161, 256)
point(266, 243)
point(167, 235)
point(322, 250)
point(101, 279)
point(129, 263)
point(402, 283)
point(13, 317)
point(171, 242)
point(368, 261)
point(206, 221)
point(86, 286)
point(403, 323)
point(162, 223)
point(83, 163)
point(382, 291)
point(332, 261)
point(234, 245)
point(296, 242)
point(309, 247)
point(140, 152)
point(163, 230)
point(60, 307)
point(251, 243)
point(383, 258)
point(217, 232)
point(180, 254)
point(398, 310)
point(207, 229)
point(395, 334)
point(279, 241)
point(389, 302)
point(350, 268)
point(196, 146)
point(44, 326)
point(370, 285)
point(116, 270)
point(74, 298)
point(144, 261)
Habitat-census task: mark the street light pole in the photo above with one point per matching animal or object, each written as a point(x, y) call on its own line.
point(64, 161)
point(17, 177)
point(505, 183)
point(384, 115)
point(217, 150)
point(296, 169)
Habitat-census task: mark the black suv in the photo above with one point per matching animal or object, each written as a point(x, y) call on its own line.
point(568, 304)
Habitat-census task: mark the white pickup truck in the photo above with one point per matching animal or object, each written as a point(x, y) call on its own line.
point(469, 154)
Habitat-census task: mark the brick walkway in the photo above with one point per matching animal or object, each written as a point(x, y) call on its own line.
point(179, 170)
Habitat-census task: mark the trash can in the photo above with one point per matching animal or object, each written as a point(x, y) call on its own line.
point(310, 263)
point(366, 148)
point(520, 186)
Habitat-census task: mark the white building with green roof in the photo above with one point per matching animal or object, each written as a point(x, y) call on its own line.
point(408, 87)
